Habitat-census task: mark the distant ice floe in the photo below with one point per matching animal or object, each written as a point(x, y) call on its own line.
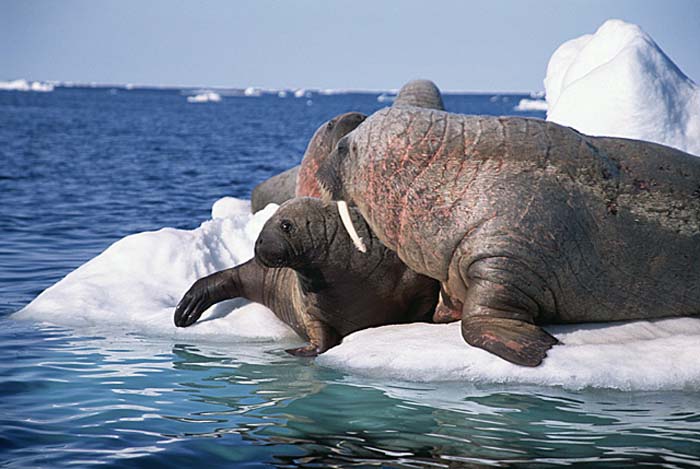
point(531, 105)
point(302, 93)
point(24, 85)
point(208, 97)
point(386, 98)
point(253, 92)
point(618, 82)
point(135, 284)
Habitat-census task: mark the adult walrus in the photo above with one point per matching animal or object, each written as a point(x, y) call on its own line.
point(300, 180)
point(308, 273)
point(526, 222)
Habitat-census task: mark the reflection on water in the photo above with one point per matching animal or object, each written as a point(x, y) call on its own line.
point(90, 400)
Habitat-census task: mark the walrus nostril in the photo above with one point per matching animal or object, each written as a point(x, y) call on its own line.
point(259, 241)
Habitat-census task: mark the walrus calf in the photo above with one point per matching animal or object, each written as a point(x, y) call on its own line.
point(527, 222)
point(307, 271)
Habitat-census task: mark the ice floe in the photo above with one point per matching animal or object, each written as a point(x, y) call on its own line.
point(253, 92)
point(531, 105)
point(134, 285)
point(302, 93)
point(618, 82)
point(208, 97)
point(24, 85)
point(639, 355)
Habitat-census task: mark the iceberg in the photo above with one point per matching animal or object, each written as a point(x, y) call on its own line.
point(618, 82)
point(133, 287)
point(24, 85)
point(208, 97)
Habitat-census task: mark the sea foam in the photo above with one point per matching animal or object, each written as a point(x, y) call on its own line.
point(135, 284)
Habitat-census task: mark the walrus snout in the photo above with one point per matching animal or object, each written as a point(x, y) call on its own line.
point(271, 252)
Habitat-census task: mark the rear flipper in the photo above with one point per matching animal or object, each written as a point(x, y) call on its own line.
point(321, 338)
point(503, 299)
point(448, 309)
point(513, 340)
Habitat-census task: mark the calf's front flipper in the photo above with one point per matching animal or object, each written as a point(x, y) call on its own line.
point(204, 293)
point(240, 281)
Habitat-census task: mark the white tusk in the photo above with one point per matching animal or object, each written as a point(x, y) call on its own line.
point(349, 227)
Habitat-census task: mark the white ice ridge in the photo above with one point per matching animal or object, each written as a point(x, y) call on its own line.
point(618, 82)
point(135, 284)
point(24, 85)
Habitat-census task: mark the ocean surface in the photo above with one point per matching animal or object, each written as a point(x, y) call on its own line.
point(83, 167)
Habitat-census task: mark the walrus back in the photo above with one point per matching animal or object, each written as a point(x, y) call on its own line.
point(612, 224)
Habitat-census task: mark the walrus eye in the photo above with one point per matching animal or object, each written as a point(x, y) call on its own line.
point(286, 226)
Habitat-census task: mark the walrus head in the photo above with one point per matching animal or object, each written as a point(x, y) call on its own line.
point(320, 147)
point(420, 93)
point(296, 234)
point(329, 174)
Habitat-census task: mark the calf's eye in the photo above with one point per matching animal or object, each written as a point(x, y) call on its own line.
point(286, 226)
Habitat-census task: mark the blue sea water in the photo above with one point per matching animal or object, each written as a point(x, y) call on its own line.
point(82, 168)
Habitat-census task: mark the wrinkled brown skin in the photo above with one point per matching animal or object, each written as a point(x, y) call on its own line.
point(314, 279)
point(527, 222)
point(320, 146)
point(300, 181)
point(420, 93)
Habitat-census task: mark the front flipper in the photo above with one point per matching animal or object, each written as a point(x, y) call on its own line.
point(504, 297)
point(310, 350)
point(513, 340)
point(204, 293)
point(321, 338)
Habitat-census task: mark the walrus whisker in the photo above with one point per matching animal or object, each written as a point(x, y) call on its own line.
point(325, 193)
point(349, 227)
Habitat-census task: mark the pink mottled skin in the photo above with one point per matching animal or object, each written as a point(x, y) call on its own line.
point(300, 180)
point(527, 222)
point(320, 146)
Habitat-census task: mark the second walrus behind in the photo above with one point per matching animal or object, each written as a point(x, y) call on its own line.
point(300, 181)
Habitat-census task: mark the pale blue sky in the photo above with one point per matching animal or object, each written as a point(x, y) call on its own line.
point(491, 45)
